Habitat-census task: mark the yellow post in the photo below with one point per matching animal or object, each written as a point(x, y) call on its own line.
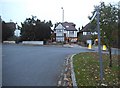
point(89, 46)
point(104, 47)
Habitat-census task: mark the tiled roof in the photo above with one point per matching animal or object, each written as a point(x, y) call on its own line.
point(69, 26)
point(89, 27)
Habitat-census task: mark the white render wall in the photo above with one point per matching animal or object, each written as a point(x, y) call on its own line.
point(9, 42)
point(58, 39)
point(59, 34)
point(68, 34)
point(33, 42)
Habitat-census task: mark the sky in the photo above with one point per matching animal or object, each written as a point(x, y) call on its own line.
point(76, 11)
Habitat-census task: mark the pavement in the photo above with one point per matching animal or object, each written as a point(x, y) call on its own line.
point(74, 46)
point(94, 48)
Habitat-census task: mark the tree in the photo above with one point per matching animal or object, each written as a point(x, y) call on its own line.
point(49, 23)
point(119, 23)
point(108, 26)
point(35, 30)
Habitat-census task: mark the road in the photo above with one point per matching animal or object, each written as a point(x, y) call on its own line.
point(34, 65)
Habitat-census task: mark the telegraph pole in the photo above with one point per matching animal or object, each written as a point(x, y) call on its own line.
point(62, 25)
point(62, 14)
point(0, 29)
point(99, 45)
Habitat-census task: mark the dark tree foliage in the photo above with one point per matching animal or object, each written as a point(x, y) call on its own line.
point(35, 30)
point(109, 27)
point(119, 24)
point(7, 32)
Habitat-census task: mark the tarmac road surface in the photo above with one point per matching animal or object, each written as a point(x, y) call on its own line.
point(33, 65)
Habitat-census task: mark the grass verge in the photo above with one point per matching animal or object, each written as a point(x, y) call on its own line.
point(87, 69)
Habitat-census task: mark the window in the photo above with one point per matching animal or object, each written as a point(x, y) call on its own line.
point(88, 33)
point(59, 30)
point(84, 33)
point(67, 26)
point(60, 39)
point(71, 32)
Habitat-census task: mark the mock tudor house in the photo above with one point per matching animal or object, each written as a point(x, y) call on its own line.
point(65, 32)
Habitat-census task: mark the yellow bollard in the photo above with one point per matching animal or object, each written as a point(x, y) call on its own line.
point(104, 47)
point(89, 46)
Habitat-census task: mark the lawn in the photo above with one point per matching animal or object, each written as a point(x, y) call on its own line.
point(87, 69)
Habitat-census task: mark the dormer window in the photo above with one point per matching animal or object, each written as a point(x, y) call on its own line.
point(67, 26)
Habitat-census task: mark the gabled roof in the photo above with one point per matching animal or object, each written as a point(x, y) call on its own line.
point(67, 26)
point(89, 28)
point(59, 26)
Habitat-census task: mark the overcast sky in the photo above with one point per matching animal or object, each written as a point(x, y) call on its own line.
point(76, 11)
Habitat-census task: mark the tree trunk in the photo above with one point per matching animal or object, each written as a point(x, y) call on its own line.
point(110, 56)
